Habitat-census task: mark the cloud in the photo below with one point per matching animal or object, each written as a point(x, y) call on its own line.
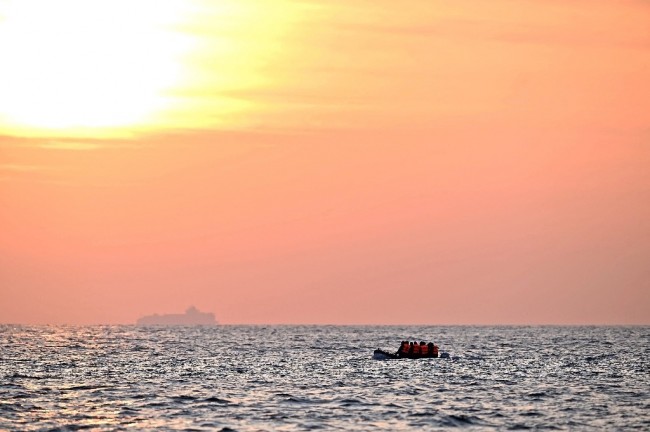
point(70, 145)
point(19, 168)
point(67, 143)
point(10, 172)
point(563, 23)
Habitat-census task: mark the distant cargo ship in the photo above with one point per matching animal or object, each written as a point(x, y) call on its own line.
point(192, 316)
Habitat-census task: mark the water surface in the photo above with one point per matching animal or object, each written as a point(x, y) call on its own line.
point(250, 378)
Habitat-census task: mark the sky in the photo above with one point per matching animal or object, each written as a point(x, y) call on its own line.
point(325, 162)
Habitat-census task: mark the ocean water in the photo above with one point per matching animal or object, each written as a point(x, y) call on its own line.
point(276, 378)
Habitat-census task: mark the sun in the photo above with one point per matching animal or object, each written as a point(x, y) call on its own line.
point(70, 66)
point(107, 68)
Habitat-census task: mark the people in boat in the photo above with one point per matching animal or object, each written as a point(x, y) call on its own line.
point(403, 349)
point(417, 350)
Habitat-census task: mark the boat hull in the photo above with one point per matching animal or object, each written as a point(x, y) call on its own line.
point(380, 354)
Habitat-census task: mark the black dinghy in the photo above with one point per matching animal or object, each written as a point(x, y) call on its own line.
point(380, 354)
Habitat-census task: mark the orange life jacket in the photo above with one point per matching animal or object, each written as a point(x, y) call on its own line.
point(424, 350)
point(404, 349)
point(416, 349)
point(435, 350)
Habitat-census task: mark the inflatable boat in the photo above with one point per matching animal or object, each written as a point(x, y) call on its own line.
point(380, 354)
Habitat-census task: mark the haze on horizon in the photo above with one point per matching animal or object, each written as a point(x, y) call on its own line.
point(357, 162)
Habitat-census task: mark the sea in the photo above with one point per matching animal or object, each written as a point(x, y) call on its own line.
point(299, 378)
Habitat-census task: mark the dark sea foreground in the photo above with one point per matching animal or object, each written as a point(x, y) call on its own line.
point(249, 378)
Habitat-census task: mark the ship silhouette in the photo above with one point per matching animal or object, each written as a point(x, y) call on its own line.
point(191, 317)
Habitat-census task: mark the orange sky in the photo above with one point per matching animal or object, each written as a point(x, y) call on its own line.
point(325, 162)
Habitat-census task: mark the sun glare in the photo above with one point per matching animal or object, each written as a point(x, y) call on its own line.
point(75, 65)
point(71, 65)
point(106, 68)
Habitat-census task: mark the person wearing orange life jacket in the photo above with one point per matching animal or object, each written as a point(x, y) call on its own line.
point(410, 354)
point(424, 349)
point(430, 349)
point(435, 351)
point(416, 350)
